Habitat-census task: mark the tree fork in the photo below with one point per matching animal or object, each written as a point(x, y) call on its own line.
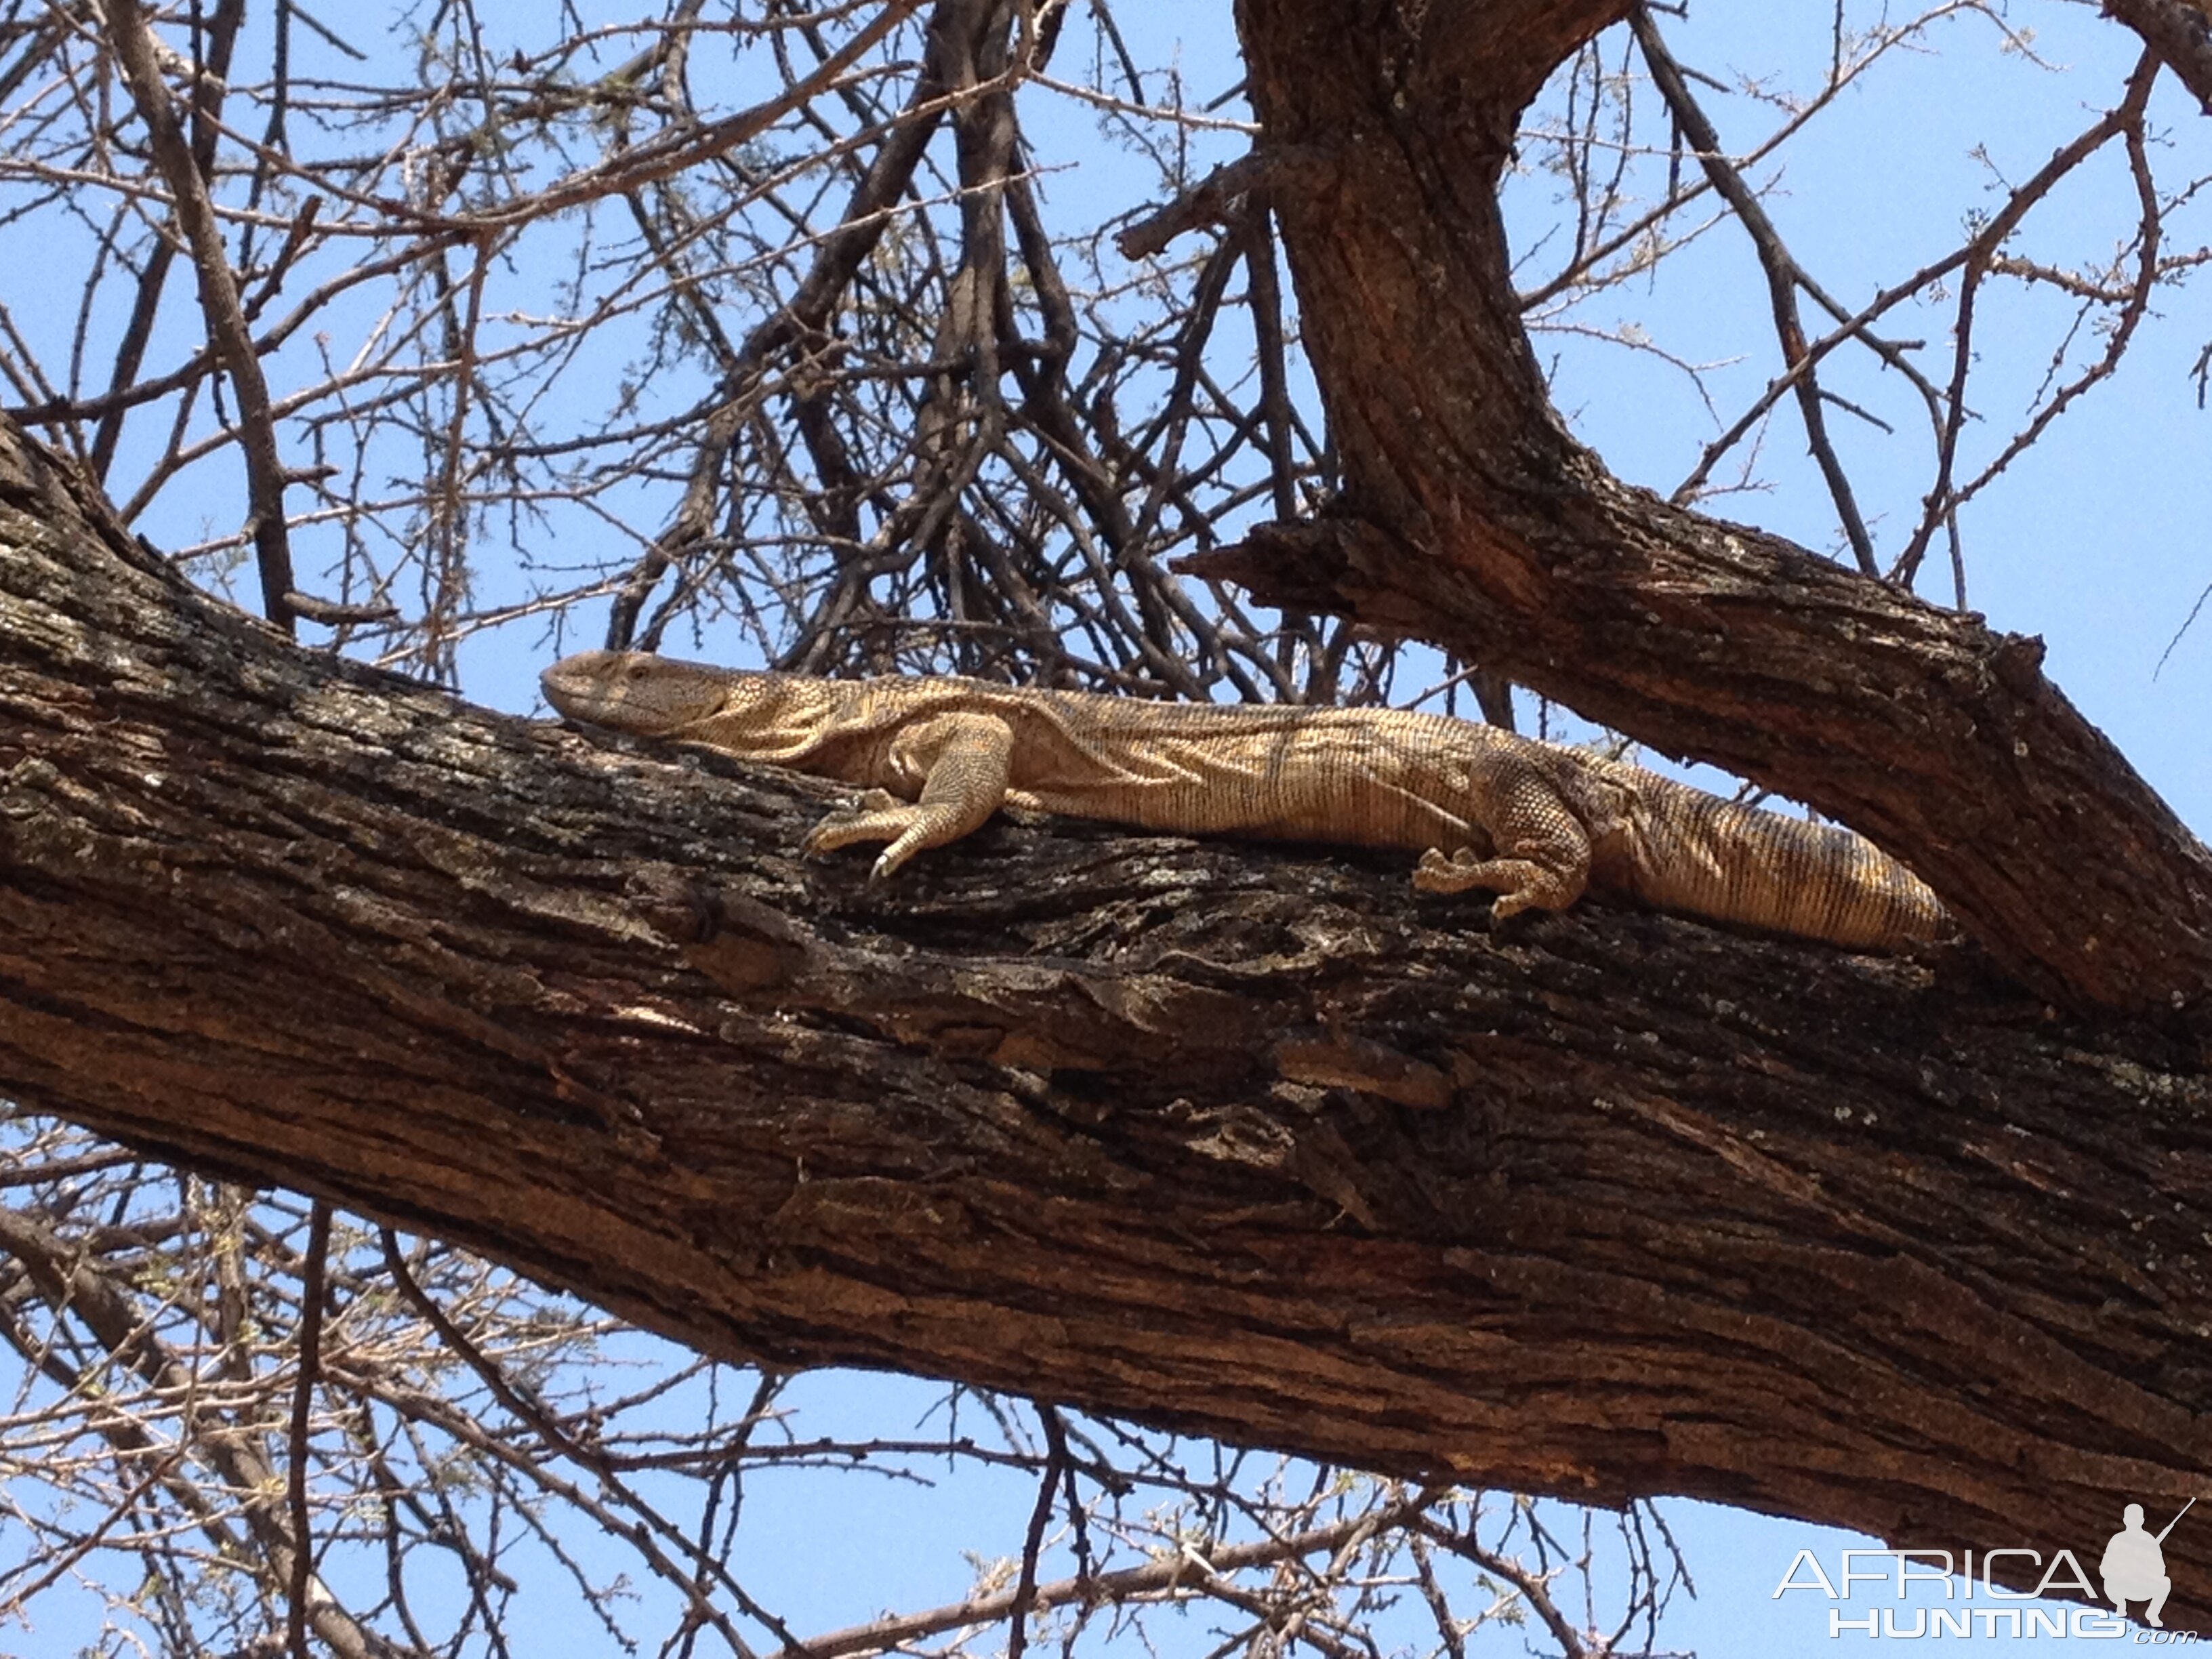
point(1218, 1137)
point(1470, 518)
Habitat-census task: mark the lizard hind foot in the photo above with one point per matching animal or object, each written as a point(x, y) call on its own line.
point(910, 827)
point(1438, 873)
point(879, 815)
point(1520, 883)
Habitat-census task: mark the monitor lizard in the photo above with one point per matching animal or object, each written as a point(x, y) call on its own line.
point(1535, 823)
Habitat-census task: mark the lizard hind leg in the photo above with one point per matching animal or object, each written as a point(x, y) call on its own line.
point(961, 761)
point(1544, 854)
point(1520, 883)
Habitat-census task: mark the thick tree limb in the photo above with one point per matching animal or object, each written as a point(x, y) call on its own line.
point(1230, 1139)
point(1471, 517)
point(2179, 33)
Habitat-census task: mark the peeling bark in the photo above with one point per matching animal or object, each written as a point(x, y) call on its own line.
point(1471, 518)
point(1245, 1141)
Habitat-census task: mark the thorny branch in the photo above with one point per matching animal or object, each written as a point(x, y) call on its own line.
point(922, 414)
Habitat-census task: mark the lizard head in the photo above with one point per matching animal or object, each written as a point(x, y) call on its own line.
point(636, 691)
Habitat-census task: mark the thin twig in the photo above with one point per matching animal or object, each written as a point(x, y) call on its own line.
point(303, 1402)
point(132, 37)
point(1784, 274)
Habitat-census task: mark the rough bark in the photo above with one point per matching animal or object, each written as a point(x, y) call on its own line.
point(2179, 33)
point(1470, 518)
point(1245, 1141)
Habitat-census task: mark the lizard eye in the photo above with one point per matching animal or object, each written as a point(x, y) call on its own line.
point(638, 671)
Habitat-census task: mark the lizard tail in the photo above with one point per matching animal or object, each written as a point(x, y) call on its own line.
point(1700, 855)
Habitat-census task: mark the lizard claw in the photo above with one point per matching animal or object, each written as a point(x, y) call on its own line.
point(841, 826)
point(1437, 873)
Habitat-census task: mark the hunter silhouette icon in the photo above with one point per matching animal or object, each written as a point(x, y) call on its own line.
point(2134, 1567)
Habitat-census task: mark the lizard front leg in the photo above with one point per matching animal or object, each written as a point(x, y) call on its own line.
point(961, 763)
point(1543, 861)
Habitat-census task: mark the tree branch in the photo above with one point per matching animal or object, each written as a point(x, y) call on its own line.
point(1231, 1140)
point(1783, 273)
point(132, 37)
point(1470, 518)
point(1169, 1578)
point(2179, 33)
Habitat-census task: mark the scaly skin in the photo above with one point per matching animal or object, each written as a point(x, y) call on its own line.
point(1535, 823)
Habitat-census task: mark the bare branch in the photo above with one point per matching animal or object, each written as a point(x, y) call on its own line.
point(227, 333)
